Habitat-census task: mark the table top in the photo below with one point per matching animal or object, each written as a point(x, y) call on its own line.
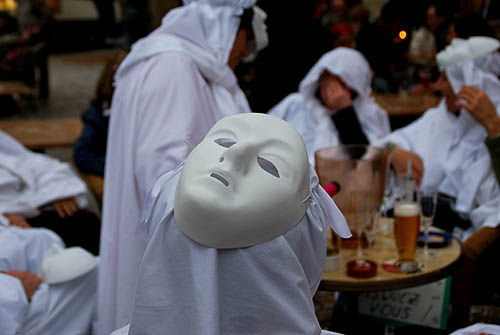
point(42, 134)
point(399, 105)
point(442, 264)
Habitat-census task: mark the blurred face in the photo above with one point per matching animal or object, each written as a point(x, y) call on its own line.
point(442, 85)
point(240, 49)
point(451, 34)
point(433, 20)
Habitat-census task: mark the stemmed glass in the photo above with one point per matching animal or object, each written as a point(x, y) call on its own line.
point(428, 204)
point(372, 219)
point(358, 206)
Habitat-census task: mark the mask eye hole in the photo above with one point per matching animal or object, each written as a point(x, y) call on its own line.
point(268, 166)
point(225, 142)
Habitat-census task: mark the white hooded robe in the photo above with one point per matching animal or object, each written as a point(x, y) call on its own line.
point(313, 120)
point(174, 85)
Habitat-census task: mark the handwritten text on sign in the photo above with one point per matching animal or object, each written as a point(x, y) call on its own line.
point(423, 305)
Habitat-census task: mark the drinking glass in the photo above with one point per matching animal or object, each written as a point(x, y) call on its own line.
point(428, 204)
point(358, 205)
point(372, 220)
point(406, 228)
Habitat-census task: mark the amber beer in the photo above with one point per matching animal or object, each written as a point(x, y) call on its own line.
point(406, 229)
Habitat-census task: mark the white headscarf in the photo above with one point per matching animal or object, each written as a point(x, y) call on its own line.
point(469, 162)
point(186, 288)
point(313, 120)
point(206, 34)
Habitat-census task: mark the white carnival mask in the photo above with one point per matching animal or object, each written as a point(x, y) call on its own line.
point(61, 265)
point(461, 50)
point(246, 183)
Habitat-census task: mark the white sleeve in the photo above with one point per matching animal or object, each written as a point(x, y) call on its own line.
point(55, 180)
point(13, 305)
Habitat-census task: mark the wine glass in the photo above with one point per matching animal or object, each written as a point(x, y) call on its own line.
point(428, 204)
point(372, 220)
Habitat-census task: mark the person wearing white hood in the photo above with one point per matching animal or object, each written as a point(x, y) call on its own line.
point(44, 289)
point(39, 191)
point(243, 223)
point(334, 105)
point(173, 86)
point(453, 160)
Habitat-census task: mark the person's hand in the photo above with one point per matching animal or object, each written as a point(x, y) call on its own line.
point(29, 280)
point(399, 161)
point(334, 93)
point(65, 207)
point(477, 103)
point(17, 220)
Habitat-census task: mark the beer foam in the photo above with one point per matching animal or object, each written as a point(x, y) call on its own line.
point(407, 209)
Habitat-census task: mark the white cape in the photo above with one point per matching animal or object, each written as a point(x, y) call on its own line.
point(313, 120)
point(175, 84)
point(187, 288)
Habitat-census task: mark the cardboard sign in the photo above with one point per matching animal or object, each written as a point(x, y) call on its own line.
point(425, 305)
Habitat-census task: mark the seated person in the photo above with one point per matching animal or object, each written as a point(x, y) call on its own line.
point(243, 222)
point(30, 305)
point(90, 147)
point(38, 191)
point(334, 105)
point(450, 143)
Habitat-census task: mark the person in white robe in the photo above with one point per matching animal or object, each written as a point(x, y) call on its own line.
point(40, 191)
point(446, 145)
point(30, 306)
point(172, 87)
point(236, 236)
point(335, 92)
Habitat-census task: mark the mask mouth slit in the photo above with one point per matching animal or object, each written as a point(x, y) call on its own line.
point(220, 178)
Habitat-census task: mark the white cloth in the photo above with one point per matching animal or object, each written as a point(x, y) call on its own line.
point(59, 309)
point(313, 120)
point(124, 331)
point(186, 288)
point(24, 249)
point(175, 83)
point(456, 161)
point(29, 180)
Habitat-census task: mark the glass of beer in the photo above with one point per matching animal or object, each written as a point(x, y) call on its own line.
point(406, 228)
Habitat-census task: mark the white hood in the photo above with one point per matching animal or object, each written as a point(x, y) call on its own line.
point(313, 120)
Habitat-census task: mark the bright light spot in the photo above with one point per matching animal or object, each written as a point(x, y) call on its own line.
point(402, 34)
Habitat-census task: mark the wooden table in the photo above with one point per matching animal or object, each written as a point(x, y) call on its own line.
point(406, 105)
point(443, 264)
point(43, 134)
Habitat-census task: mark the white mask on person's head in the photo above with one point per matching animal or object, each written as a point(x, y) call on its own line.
point(461, 50)
point(259, 28)
point(246, 183)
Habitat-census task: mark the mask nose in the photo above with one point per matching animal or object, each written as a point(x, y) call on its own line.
point(237, 157)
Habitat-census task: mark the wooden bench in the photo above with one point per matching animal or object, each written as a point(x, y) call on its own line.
point(44, 134)
point(406, 105)
point(14, 88)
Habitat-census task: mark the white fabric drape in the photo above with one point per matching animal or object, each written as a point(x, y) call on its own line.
point(186, 288)
point(29, 180)
point(60, 309)
point(313, 120)
point(456, 161)
point(174, 84)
